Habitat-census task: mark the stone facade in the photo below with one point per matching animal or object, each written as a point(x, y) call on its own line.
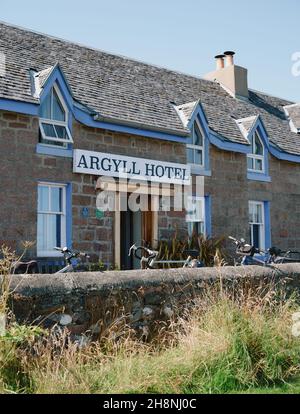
point(230, 192)
point(22, 168)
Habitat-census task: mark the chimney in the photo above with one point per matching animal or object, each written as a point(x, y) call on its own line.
point(229, 58)
point(220, 61)
point(232, 77)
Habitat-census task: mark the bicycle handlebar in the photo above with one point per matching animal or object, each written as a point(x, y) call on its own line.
point(65, 250)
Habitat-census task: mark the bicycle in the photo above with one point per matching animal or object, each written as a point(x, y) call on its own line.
point(254, 256)
point(72, 259)
point(149, 261)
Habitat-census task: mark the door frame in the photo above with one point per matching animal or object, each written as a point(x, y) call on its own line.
point(117, 226)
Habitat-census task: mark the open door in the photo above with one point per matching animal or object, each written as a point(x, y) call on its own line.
point(135, 227)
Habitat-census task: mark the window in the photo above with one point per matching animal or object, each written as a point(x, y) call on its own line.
point(257, 224)
point(51, 227)
point(195, 150)
point(195, 215)
point(54, 120)
point(255, 160)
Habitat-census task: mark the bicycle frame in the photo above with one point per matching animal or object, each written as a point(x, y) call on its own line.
point(261, 257)
point(70, 257)
point(151, 261)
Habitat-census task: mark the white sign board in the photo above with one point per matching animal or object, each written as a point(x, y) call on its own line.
point(112, 165)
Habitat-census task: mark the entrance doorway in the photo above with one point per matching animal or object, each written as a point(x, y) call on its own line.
point(135, 227)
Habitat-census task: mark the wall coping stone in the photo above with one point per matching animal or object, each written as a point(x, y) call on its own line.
point(31, 285)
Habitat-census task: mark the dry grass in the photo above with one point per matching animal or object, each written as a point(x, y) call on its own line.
point(232, 340)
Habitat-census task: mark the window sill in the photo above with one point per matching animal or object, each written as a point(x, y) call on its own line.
point(259, 177)
point(57, 152)
point(200, 171)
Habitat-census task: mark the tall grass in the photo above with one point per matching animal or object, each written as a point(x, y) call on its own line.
point(233, 340)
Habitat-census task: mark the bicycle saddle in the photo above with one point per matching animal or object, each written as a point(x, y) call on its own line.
point(21, 268)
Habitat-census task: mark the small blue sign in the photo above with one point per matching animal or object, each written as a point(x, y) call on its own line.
point(85, 212)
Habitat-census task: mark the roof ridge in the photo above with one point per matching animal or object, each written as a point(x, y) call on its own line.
point(104, 51)
point(272, 96)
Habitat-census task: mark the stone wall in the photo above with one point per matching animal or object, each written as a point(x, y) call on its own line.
point(95, 300)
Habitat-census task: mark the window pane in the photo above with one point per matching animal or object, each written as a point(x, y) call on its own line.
point(256, 236)
point(195, 210)
point(42, 232)
point(49, 232)
point(198, 157)
point(56, 199)
point(57, 144)
point(258, 165)
point(190, 156)
point(49, 130)
point(61, 132)
point(198, 139)
point(45, 110)
point(258, 147)
point(258, 213)
point(53, 236)
point(43, 198)
point(195, 229)
point(58, 111)
point(250, 163)
point(251, 212)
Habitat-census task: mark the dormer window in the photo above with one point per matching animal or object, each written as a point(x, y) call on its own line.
point(256, 159)
point(54, 120)
point(195, 150)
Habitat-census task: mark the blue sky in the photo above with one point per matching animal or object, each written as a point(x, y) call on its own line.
point(184, 35)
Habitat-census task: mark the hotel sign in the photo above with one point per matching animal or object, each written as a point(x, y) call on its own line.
point(98, 163)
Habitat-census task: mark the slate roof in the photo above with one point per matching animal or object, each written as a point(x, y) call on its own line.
point(130, 91)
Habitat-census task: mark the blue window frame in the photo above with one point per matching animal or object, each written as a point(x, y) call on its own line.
point(259, 224)
point(258, 157)
point(54, 120)
point(198, 215)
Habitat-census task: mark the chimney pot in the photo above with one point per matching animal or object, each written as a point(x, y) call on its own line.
point(229, 57)
point(220, 61)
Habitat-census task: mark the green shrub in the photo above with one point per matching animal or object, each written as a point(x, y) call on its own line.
point(211, 250)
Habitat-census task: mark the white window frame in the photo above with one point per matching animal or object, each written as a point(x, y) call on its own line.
point(54, 253)
point(197, 147)
point(262, 224)
point(58, 123)
point(195, 220)
point(254, 156)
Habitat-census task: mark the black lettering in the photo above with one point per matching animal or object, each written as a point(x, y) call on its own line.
point(162, 171)
point(94, 163)
point(108, 168)
point(117, 164)
point(150, 170)
point(134, 169)
point(82, 161)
